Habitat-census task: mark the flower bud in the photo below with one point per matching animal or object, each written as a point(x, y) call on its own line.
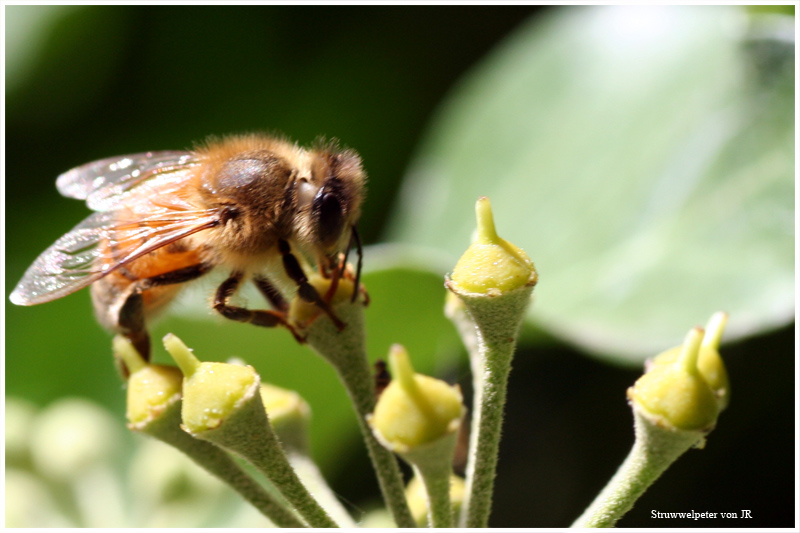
point(289, 415)
point(303, 313)
point(491, 265)
point(674, 394)
point(151, 388)
point(709, 361)
point(415, 410)
point(211, 391)
point(222, 405)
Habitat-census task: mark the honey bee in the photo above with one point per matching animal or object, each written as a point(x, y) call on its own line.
point(256, 205)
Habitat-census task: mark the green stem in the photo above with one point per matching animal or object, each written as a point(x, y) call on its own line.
point(487, 422)
point(496, 324)
point(437, 486)
point(346, 351)
point(167, 429)
point(247, 433)
point(390, 478)
point(654, 450)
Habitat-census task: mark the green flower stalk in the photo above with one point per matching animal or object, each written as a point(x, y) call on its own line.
point(418, 418)
point(222, 405)
point(345, 350)
point(418, 498)
point(289, 415)
point(494, 280)
point(674, 409)
point(154, 408)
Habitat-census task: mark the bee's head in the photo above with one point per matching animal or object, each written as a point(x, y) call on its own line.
point(331, 202)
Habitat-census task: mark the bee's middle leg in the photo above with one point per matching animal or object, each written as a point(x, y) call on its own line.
point(272, 294)
point(263, 318)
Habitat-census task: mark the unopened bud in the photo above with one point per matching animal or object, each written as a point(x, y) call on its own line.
point(289, 415)
point(709, 362)
point(303, 313)
point(211, 391)
point(414, 409)
point(491, 265)
point(151, 388)
point(675, 394)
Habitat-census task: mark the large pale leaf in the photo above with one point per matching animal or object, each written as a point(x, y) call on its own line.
point(643, 156)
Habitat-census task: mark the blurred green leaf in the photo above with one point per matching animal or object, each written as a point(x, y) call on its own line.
point(643, 157)
point(73, 48)
point(26, 32)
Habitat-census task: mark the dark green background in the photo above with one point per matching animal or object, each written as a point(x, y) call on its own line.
point(114, 80)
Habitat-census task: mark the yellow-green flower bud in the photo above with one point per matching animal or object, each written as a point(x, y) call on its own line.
point(415, 410)
point(709, 361)
point(151, 388)
point(222, 404)
point(418, 498)
point(303, 313)
point(211, 391)
point(289, 415)
point(491, 265)
point(675, 394)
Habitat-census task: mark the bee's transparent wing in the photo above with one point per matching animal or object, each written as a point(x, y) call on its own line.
point(104, 184)
point(104, 242)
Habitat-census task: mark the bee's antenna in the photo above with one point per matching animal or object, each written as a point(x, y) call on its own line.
point(360, 252)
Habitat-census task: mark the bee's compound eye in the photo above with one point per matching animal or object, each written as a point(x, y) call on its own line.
point(329, 216)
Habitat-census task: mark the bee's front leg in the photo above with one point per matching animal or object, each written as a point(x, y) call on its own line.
point(305, 290)
point(263, 318)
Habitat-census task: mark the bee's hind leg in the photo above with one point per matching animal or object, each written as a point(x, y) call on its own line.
point(130, 319)
point(305, 290)
point(263, 318)
point(131, 325)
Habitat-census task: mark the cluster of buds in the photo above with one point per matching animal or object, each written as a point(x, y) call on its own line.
point(213, 411)
point(686, 388)
point(675, 405)
point(158, 406)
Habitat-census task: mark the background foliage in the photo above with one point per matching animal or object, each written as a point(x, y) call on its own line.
point(604, 159)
